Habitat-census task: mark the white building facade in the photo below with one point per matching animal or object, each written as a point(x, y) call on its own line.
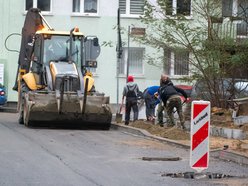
point(92, 17)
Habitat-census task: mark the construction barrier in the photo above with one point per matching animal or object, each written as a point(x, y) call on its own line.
point(200, 129)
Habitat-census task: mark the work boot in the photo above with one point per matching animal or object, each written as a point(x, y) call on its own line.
point(160, 123)
point(126, 122)
point(183, 127)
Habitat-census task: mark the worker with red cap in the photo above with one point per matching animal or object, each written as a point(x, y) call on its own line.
point(130, 91)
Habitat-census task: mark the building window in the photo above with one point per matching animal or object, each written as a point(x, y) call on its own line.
point(227, 8)
point(131, 7)
point(237, 8)
point(76, 6)
point(43, 5)
point(242, 28)
point(85, 6)
point(178, 7)
point(178, 63)
point(135, 61)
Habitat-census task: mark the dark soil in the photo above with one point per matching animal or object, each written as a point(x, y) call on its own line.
point(182, 136)
point(171, 133)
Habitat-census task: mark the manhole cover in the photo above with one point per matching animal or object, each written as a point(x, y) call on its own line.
point(193, 175)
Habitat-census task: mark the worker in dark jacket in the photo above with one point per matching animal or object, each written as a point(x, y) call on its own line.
point(164, 79)
point(170, 96)
point(130, 91)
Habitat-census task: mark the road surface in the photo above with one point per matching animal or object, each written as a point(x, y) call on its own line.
point(65, 157)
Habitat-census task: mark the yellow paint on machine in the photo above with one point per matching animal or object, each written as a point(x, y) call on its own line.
point(30, 81)
point(90, 82)
point(53, 71)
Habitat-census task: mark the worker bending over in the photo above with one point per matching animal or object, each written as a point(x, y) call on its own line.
point(170, 96)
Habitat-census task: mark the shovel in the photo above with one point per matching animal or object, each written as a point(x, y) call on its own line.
point(118, 117)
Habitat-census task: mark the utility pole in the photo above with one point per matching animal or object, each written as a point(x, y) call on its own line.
point(128, 51)
point(118, 55)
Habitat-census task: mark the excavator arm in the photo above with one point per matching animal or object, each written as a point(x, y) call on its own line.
point(33, 22)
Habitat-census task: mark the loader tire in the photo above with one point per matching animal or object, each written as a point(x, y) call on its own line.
point(21, 99)
point(25, 113)
point(20, 117)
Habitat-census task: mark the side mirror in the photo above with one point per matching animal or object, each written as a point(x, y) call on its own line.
point(95, 42)
point(91, 50)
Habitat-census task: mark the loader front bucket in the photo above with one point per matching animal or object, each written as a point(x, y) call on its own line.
point(41, 109)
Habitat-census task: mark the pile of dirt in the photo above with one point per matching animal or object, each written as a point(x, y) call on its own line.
point(182, 136)
point(173, 133)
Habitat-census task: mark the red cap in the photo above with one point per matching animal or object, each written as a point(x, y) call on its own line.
point(130, 79)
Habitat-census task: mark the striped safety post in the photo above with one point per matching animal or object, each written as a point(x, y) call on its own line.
point(200, 129)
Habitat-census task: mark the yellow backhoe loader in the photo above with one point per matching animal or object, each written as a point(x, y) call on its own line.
point(53, 81)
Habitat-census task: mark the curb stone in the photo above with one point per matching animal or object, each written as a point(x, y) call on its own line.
point(144, 133)
point(8, 109)
point(227, 155)
point(227, 133)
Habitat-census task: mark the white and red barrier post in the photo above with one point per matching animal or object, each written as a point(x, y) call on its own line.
point(200, 129)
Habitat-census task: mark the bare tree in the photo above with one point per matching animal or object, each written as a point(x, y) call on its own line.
point(213, 55)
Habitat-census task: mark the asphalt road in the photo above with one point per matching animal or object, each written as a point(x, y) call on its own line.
point(63, 157)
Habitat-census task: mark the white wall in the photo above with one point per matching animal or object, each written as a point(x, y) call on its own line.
point(12, 19)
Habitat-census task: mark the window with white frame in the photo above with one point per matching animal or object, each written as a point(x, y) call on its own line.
point(242, 8)
point(227, 8)
point(178, 62)
point(43, 5)
point(178, 7)
point(234, 8)
point(135, 58)
point(85, 6)
point(131, 7)
point(237, 8)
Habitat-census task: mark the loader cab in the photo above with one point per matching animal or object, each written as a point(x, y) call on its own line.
point(51, 46)
point(57, 48)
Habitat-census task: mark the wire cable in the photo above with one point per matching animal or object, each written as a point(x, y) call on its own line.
point(5, 42)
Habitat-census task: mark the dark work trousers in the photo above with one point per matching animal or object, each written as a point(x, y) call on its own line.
point(174, 102)
point(131, 103)
point(160, 113)
point(150, 105)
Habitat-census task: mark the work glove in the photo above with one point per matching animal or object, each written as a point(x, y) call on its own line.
point(187, 100)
